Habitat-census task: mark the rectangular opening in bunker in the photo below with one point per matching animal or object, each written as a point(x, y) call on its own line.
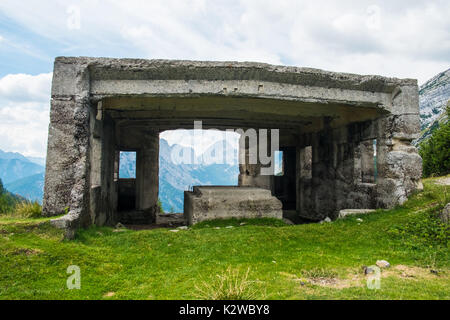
point(190, 158)
point(127, 181)
point(285, 176)
point(279, 166)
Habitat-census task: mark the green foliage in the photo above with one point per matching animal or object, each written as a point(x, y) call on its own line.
point(161, 210)
point(424, 230)
point(7, 201)
point(2, 190)
point(27, 209)
point(160, 264)
point(435, 151)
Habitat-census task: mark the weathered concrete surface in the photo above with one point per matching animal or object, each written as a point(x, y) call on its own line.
point(350, 212)
point(217, 202)
point(101, 106)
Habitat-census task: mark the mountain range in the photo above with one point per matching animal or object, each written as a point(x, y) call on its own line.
point(25, 175)
point(175, 178)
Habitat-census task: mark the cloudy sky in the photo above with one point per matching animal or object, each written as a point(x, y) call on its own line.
point(409, 39)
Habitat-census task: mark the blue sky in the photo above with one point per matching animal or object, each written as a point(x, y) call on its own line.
point(406, 39)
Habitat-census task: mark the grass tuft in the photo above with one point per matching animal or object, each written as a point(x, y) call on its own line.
point(230, 285)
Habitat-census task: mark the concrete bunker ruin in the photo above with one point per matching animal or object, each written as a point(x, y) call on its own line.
point(329, 126)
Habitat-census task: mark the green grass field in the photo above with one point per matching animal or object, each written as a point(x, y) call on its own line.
point(263, 259)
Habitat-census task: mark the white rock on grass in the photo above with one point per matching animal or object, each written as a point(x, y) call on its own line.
point(175, 230)
point(183, 228)
point(383, 264)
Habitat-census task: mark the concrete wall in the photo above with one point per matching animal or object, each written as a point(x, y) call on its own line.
point(217, 202)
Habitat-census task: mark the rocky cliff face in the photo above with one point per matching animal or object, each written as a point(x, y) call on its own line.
point(433, 98)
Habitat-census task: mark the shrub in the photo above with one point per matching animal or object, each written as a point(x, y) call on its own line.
point(28, 209)
point(435, 151)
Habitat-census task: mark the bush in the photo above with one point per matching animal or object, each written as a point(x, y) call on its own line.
point(28, 209)
point(435, 151)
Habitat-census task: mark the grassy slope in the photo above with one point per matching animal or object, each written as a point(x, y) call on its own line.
point(285, 261)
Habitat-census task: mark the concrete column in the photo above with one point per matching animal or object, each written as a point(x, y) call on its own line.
point(304, 180)
point(250, 173)
point(67, 170)
point(345, 174)
point(323, 176)
point(147, 178)
point(399, 165)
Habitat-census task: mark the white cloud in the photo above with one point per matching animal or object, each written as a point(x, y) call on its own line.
point(25, 87)
point(394, 38)
point(24, 113)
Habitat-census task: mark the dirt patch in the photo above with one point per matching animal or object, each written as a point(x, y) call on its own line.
point(354, 280)
point(408, 272)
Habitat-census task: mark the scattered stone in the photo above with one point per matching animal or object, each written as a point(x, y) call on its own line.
point(287, 221)
point(175, 230)
point(383, 264)
point(217, 228)
point(273, 261)
point(359, 220)
point(327, 219)
point(434, 271)
point(444, 216)
point(119, 230)
point(183, 228)
point(243, 223)
point(169, 245)
point(120, 226)
point(109, 294)
point(229, 227)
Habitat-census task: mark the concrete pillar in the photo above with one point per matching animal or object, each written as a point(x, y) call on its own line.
point(399, 165)
point(249, 166)
point(304, 180)
point(323, 176)
point(67, 171)
point(147, 179)
point(345, 173)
